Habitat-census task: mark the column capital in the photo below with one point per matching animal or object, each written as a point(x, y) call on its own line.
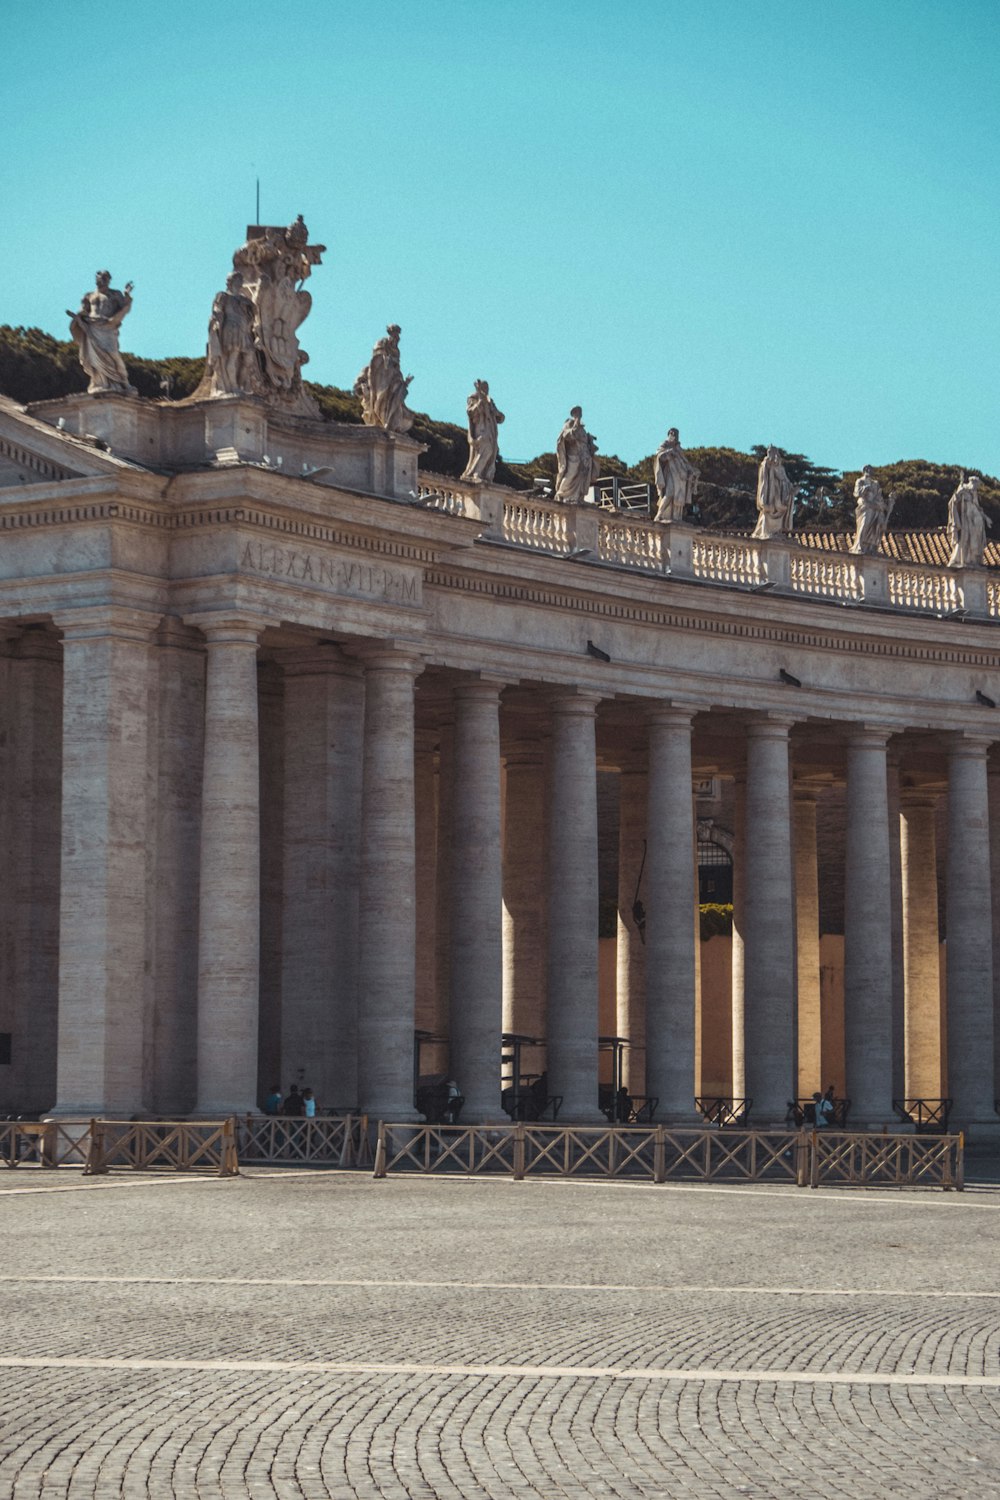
point(677, 714)
point(230, 626)
point(91, 621)
point(769, 727)
point(805, 793)
point(967, 746)
point(917, 796)
point(388, 656)
point(479, 688)
point(32, 645)
point(316, 661)
point(575, 701)
point(868, 736)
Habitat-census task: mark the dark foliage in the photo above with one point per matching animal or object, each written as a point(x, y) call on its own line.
point(34, 366)
point(922, 492)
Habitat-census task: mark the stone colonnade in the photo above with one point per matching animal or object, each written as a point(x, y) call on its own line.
point(448, 878)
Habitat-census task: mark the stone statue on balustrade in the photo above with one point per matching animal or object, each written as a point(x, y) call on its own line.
point(676, 479)
point(263, 359)
point(775, 497)
point(576, 452)
point(383, 388)
point(484, 445)
point(872, 510)
point(967, 525)
point(95, 330)
point(232, 367)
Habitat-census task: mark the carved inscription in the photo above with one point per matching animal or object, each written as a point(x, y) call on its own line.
point(342, 575)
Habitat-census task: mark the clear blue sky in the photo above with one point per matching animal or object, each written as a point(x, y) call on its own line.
point(756, 220)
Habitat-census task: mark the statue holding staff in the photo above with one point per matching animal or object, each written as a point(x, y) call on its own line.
point(576, 452)
point(676, 478)
point(94, 330)
point(484, 445)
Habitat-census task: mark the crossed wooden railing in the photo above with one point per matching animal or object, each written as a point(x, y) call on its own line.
point(279, 1140)
point(100, 1145)
point(659, 1153)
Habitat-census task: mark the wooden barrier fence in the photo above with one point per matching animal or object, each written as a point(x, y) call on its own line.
point(143, 1145)
point(658, 1153)
point(324, 1140)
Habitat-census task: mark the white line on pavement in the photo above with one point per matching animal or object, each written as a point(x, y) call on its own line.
point(552, 1372)
point(645, 1289)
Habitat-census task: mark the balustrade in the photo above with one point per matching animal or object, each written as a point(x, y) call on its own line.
point(631, 541)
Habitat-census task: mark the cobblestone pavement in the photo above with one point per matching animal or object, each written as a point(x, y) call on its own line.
point(309, 1334)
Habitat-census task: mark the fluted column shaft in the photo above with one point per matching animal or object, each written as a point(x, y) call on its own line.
point(387, 912)
point(970, 938)
point(769, 950)
point(810, 1060)
point(524, 892)
point(476, 1009)
point(921, 949)
point(631, 951)
point(324, 705)
point(868, 932)
point(670, 932)
point(573, 914)
point(106, 836)
point(229, 904)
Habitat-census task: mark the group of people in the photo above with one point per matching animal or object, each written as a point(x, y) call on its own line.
point(819, 1111)
point(297, 1102)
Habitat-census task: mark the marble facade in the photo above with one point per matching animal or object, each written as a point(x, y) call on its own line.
point(300, 749)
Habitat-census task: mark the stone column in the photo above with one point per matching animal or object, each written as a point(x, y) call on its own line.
point(31, 750)
point(631, 950)
point(427, 863)
point(970, 940)
point(229, 900)
point(271, 709)
point(573, 909)
point(769, 946)
point(439, 1058)
point(180, 658)
point(476, 1010)
point(921, 950)
point(387, 988)
point(105, 833)
point(524, 893)
point(670, 931)
point(896, 909)
point(993, 780)
point(867, 932)
point(739, 1083)
point(324, 705)
point(810, 1059)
